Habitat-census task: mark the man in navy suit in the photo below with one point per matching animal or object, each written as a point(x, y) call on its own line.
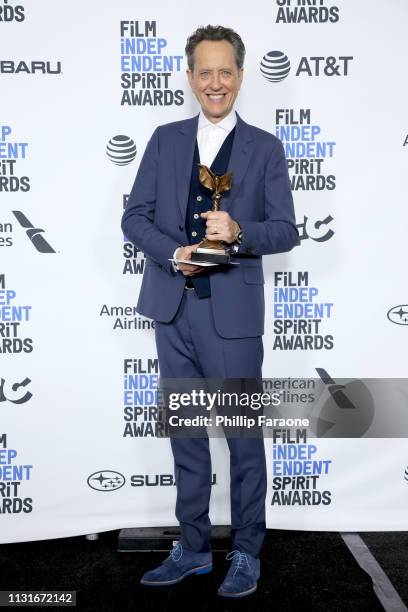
point(209, 324)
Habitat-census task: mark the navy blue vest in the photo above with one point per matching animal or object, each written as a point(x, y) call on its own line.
point(199, 200)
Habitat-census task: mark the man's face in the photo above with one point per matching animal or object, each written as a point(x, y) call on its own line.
point(215, 79)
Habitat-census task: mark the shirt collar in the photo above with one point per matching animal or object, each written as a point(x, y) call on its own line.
point(227, 124)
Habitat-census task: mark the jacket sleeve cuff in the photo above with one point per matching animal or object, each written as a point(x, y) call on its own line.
point(173, 263)
point(249, 236)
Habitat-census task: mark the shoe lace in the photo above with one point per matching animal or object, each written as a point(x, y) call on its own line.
point(239, 559)
point(176, 552)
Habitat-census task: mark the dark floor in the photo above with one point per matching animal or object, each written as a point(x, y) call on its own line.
point(299, 571)
point(391, 551)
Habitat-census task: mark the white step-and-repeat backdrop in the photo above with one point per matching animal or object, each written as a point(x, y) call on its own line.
point(80, 81)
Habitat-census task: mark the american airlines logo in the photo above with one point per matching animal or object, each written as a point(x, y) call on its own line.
point(34, 233)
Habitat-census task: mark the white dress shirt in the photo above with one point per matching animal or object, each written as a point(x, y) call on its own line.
point(210, 137)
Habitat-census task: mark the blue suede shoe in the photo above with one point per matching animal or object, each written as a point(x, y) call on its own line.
point(242, 576)
point(179, 564)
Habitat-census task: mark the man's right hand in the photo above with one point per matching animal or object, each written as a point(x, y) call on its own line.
point(185, 253)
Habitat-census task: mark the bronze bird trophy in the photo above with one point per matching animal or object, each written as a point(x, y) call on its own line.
point(213, 251)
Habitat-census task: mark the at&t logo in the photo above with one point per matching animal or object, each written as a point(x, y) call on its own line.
point(121, 150)
point(275, 66)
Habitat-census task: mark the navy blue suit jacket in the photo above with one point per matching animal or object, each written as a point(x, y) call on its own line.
point(260, 200)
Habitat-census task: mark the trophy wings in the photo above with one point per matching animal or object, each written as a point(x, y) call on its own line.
point(214, 182)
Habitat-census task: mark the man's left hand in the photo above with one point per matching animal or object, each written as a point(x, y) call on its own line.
point(220, 226)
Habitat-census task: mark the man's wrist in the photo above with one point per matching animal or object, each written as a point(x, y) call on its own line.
point(174, 264)
point(237, 239)
point(238, 233)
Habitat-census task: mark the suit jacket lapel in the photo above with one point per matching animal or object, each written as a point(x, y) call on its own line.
point(239, 159)
point(183, 154)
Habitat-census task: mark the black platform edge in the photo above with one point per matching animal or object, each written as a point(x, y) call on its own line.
point(160, 539)
point(210, 258)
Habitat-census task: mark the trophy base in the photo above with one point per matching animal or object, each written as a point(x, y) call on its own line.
point(215, 256)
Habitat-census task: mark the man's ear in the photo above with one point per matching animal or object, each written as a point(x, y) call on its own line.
point(189, 74)
point(241, 76)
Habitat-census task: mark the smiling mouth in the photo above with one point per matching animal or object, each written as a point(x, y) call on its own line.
point(216, 97)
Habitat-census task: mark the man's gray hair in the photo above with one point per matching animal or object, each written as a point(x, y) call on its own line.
point(215, 33)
